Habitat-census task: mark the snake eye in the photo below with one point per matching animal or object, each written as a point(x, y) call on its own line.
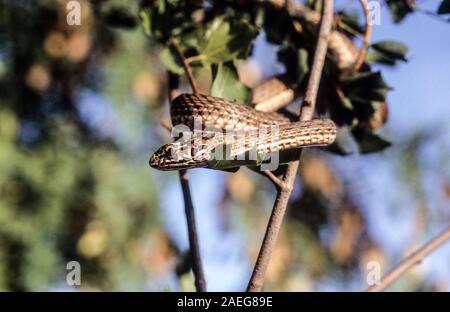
point(169, 150)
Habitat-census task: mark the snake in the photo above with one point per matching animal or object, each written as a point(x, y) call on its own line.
point(246, 130)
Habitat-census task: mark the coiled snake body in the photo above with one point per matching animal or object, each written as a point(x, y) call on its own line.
point(246, 130)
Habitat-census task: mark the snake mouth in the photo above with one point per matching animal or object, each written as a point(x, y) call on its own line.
point(168, 157)
point(159, 158)
point(153, 161)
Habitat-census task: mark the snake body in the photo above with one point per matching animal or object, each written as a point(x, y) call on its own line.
point(246, 130)
point(214, 111)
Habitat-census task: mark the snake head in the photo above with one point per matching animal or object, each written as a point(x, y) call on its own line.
point(176, 156)
point(161, 158)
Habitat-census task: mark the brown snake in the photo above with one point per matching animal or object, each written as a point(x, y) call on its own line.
point(246, 129)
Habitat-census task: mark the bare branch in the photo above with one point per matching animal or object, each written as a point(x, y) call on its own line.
point(415, 258)
point(276, 218)
point(279, 183)
point(194, 246)
point(186, 66)
point(366, 41)
point(309, 102)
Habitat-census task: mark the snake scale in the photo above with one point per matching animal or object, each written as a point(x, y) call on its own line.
point(245, 129)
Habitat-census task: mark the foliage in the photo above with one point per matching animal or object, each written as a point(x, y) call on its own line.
point(215, 37)
point(69, 191)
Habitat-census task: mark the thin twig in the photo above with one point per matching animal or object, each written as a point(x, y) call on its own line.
point(309, 102)
point(415, 258)
point(279, 183)
point(187, 68)
point(194, 246)
point(367, 37)
point(279, 209)
point(197, 268)
point(431, 14)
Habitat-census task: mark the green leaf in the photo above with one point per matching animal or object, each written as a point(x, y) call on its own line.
point(380, 58)
point(146, 21)
point(337, 149)
point(392, 49)
point(226, 83)
point(364, 109)
point(163, 19)
point(365, 87)
point(369, 142)
point(303, 66)
point(171, 61)
point(295, 60)
point(276, 27)
point(8, 125)
point(225, 164)
point(368, 79)
point(226, 42)
point(246, 159)
point(444, 7)
point(229, 169)
point(215, 50)
point(350, 23)
point(366, 95)
point(3, 69)
point(242, 36)
point(120, 18)
point(161, 4)
point(399, 9)
point(346, 102)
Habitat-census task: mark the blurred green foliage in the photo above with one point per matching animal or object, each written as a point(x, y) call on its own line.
point(66, 192)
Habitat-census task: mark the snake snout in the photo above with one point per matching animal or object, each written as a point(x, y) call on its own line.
point(165, 155)
point(154, 160)
point(158, 158)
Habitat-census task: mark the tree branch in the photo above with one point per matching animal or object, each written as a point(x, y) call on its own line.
point(415, 258)
point(309, 102)
point(279, 183)
point(276, 218)
point(366, 41)
point(187, 69)
point(194, 246)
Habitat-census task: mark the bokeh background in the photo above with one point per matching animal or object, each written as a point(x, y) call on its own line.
point(80, 112)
